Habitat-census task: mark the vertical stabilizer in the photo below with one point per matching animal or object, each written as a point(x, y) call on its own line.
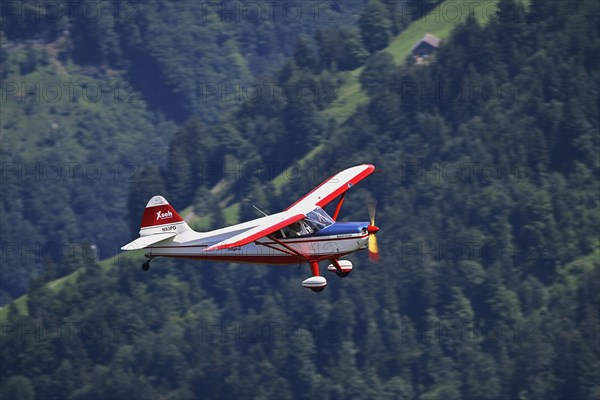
point(161, 217)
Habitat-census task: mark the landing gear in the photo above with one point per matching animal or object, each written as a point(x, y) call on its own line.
point(146, 265)
point(342, 268)
point(316, 283)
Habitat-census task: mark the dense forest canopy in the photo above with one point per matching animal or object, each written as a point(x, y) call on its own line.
point(487, 190)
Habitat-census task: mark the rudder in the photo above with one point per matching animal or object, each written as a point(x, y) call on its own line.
point(160, 217)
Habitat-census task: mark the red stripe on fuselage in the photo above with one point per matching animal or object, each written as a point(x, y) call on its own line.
point(272, 260)
point(286, 241)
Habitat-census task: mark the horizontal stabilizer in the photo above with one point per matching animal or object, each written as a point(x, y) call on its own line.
point(145, 241)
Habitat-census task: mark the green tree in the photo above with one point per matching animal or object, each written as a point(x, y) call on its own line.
point(330, 47)
point(18, 387)
point(379, 73)
point(354, 53)
point(304, 55)
point(375, 26)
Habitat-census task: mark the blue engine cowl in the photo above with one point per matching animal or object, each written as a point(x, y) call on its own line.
point(344, 228)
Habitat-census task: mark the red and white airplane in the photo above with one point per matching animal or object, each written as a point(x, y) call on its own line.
point(304, 232)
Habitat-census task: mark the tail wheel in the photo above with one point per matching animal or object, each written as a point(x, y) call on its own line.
point(146, 266)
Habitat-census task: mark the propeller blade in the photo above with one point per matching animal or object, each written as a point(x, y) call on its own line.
point(373, 248)
point(372, 205)
point(372, 244)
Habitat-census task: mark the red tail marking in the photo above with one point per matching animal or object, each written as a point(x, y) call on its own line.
point(160, 215)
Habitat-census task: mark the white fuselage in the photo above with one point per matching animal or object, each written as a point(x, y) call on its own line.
point(266, 250)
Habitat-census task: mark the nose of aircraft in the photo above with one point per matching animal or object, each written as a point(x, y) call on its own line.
point(373, 229)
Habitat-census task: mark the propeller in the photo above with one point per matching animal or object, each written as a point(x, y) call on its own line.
point(373, 229)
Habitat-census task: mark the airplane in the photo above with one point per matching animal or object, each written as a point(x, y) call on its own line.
point(303, 232)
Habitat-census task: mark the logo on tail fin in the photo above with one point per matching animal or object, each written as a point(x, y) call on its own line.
point(163, 215)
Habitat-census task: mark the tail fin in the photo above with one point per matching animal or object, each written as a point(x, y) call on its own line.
point(161, 217)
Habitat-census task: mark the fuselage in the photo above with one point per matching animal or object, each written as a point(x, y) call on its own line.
point(333, 241)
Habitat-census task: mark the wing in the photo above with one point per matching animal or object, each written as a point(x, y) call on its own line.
point(333, 187)
point(320, 196)
point(272, 224)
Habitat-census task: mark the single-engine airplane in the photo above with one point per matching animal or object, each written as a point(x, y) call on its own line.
point(303, 232)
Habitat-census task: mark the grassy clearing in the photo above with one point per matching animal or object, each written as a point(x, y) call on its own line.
point(350, 96)
point(439, 22)
point(232, 214)
point(57, 284)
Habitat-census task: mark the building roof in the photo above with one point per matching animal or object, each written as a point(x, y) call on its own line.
point(428, 39)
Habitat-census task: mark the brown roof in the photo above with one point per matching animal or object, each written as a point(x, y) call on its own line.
point(429, 39)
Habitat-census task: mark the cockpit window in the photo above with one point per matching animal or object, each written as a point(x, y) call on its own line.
point(315, 220)
point(318, 219)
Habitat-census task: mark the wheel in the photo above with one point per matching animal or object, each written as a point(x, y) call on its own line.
point(342, 274)
point(146, 266)
point(317, 289)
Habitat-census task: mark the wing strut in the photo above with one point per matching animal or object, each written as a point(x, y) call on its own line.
point(290, 250)
point(338, 207)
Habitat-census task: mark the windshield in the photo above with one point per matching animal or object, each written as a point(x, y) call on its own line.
point(318, 219)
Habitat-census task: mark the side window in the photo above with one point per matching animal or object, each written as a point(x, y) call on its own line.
point(282, 233)
point(300, 228)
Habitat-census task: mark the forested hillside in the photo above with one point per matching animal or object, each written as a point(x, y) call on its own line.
point(487, 189)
